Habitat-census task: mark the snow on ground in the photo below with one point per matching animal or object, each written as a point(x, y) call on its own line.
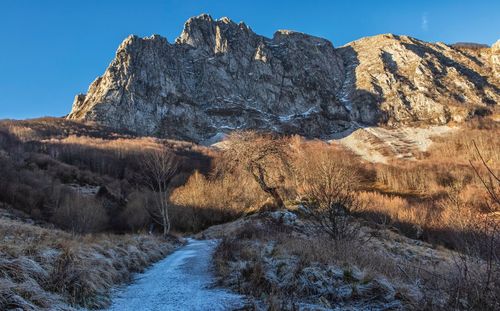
point(377, 144)
point(86, 190)
point(182, 281)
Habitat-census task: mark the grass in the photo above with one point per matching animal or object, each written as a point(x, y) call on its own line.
point(437, 198)
point(284, 267)
point(45, 268)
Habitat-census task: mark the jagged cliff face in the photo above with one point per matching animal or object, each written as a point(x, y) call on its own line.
point(220, 76)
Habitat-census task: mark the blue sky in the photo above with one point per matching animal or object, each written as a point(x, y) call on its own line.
point(51, 50)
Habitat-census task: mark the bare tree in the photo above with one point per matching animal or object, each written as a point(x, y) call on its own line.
point(476, 284)
point(264, 157)
point(328, 195)
point(491, 182)
point(159, 167)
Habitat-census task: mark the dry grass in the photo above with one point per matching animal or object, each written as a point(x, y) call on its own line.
point(51, 269)
point(273, 263)
point(42, 160)
point(458, 147)
point(49, 127)
point(437, 198)
point(414, 197)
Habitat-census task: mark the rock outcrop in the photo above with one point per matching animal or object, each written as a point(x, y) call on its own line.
point(220, 76)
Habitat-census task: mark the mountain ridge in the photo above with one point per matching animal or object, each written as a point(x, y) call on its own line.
point(219, 76)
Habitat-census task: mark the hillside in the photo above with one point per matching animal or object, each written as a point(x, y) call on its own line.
point(261, 173)
point(413, 191)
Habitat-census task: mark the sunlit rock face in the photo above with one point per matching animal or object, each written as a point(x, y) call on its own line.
point(220, 76)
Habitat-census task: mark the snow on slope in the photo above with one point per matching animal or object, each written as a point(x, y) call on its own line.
point(377, 144)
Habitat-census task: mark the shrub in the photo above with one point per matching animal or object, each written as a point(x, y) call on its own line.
point(327, 187)
point(80, 214)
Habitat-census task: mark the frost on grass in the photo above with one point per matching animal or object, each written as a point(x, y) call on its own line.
point(286, 266)
point(47, 269)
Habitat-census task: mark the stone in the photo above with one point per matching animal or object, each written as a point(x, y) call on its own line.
point(219, 76)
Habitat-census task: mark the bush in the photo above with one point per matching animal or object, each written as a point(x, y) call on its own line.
point(327, 189)
point(135, 216)
point(80, 214)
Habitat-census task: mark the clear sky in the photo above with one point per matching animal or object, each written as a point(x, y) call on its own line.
point(51, 50)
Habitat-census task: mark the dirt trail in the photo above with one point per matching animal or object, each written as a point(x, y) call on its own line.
point(181, 281)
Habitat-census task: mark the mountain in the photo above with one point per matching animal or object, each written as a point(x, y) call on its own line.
point(220, 76)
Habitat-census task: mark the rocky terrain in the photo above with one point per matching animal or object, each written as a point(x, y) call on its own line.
point(395, 207)
point(276, 258)
point(219, 76)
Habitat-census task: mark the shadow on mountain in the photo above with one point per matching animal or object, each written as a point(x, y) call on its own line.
point(479, 81)
point(364, 105)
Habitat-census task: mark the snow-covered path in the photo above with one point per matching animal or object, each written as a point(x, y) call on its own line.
point(181, 281)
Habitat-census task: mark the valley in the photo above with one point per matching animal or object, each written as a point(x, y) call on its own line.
point(231, 171)
point(409, 219)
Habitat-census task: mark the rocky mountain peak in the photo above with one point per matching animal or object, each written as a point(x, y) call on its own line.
point(215, 35)
point(220, 76)
point(496, 46)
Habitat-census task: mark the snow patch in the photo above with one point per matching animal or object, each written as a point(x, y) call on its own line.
point(377, 144)
point(295, 115)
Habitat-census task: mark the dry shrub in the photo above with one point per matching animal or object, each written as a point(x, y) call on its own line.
point(476, 281)
point(446, 161)
point(434, 281)
point(22, 133)
point(47, 127)
point(436, 220)
point(327, 187)
point(272, 266)
point(411, 218)
point(135, 216)
point(405, 178)
point(220, 193)
point(80, 214)
point(385, 209)
point(205, 201)
point(458, 147)
point(421, 178)
point(120, 157)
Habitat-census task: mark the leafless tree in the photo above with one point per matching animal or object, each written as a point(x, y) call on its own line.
point(477, 282)
point(159, 167)
point(491, 182)
point(264, 157)
point(328, 195)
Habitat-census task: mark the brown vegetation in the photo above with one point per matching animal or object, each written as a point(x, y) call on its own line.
point(439, 198)
point(51, 269)
point(328, 190)
point(373, 269)
point(159, 167)
point(264, 158)
point(47, 166)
